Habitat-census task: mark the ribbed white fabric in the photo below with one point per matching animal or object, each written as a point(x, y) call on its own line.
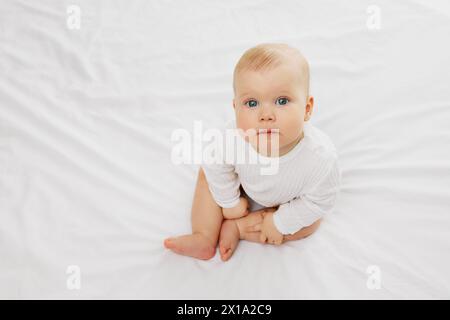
point(305, 186)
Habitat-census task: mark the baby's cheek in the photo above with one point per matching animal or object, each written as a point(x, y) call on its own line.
point(242, 122)
point(293, 131)
point(242, 131)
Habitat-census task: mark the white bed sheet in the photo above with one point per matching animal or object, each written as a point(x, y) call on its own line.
point(86, 117)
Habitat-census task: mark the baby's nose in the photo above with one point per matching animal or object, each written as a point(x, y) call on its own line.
point(267, 113)
point(266, 116)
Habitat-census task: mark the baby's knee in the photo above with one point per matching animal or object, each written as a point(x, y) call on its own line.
point(238, 211)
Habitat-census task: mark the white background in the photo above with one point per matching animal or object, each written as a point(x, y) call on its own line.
point(86, 117)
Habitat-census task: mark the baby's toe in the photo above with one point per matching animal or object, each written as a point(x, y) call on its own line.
point(226, 250)
point(222, 248)
point(168, 243)
point(226, 254)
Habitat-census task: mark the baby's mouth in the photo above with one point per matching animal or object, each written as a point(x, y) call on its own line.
point(268, 131)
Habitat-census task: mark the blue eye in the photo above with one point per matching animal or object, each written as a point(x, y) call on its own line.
point(282, 101)
point(251, 103)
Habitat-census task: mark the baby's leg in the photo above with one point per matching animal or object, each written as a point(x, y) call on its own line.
point(206, 221)
point(234, 230)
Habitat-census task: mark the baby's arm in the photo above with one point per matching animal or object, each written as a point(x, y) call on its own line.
point(223, 183)
point(250, 227)
point(308, 208)
point(269, 232)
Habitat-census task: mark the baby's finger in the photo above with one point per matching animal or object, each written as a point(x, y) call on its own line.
point(266, 212)
point(256, 227)
point(262, 238)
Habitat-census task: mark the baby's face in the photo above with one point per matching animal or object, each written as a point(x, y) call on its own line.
point(273, 99)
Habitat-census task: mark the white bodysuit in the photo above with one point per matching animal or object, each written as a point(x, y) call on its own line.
point(305, 186)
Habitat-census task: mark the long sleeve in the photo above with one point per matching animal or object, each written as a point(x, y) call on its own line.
point(304, 210)
point(223, 183)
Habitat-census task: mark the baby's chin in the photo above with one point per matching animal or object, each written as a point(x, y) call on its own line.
point(272, 145)
point(267, 145)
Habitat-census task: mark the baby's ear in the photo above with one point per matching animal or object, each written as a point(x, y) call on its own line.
point(309, 108)
point(310, 104)
point(234, 104)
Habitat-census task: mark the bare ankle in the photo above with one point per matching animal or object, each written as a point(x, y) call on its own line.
point(207, 237)
point(240, 227)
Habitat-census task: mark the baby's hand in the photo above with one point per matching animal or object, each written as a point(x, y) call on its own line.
point(238, 211)
point(269, 233)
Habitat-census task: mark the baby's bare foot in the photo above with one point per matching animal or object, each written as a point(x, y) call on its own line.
point(229, 239)
point(193, 245)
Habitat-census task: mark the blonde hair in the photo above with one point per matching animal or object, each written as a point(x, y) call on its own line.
point(269, 55)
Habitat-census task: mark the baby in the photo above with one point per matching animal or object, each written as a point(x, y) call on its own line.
point(271, 97)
